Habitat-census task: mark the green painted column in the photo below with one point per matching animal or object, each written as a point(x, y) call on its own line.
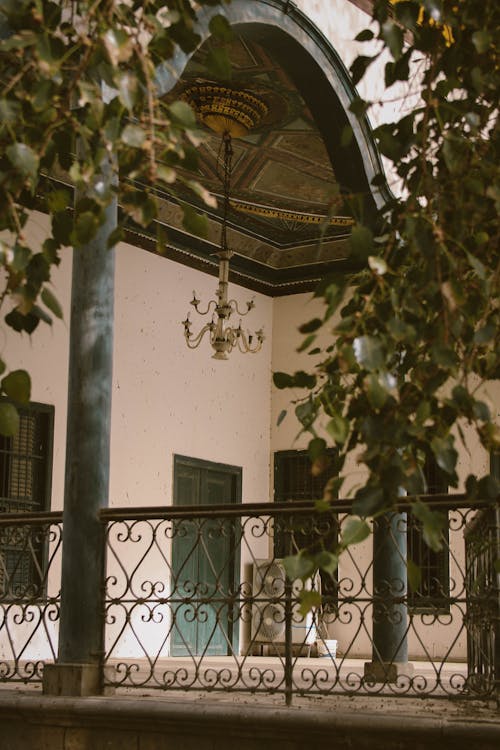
point(87, 464)
point(390, 617)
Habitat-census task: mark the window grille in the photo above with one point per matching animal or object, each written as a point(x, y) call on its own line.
point(293, 481)
point(434, 588)
point(25, 485)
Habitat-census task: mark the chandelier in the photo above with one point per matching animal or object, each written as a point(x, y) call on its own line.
point(229, 112)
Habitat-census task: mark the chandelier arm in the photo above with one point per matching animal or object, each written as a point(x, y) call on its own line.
point(246, 347)
point(196, 341)
point(212, 302)
point(236, 309)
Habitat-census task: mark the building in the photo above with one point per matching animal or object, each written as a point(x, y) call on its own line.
point(187, 428)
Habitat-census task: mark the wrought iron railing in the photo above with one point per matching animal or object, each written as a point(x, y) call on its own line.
point(197, 599)
point(30, 563)
point(482, 544)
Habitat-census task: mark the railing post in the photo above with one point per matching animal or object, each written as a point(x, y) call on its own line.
point(79, 667)
point(288, 642)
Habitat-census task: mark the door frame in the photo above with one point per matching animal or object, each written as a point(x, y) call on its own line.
point(200, 463)
point(236, 473)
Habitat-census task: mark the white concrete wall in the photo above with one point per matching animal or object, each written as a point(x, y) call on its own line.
point(166, 398)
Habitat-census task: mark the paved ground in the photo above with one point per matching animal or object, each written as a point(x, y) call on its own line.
point(382, 700)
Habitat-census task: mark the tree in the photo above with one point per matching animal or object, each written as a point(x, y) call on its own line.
point(414, 334)
point(79, 99)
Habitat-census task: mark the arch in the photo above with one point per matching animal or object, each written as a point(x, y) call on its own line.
point(307, 56)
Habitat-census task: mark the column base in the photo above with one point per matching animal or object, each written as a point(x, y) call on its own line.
point(384, 671)
point(74, 679)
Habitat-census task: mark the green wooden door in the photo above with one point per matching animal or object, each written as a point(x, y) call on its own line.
point(204, 564)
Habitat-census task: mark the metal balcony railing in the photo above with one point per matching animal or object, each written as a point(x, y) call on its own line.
point(197, 599)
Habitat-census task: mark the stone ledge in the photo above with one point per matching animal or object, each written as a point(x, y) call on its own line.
point(138, 722)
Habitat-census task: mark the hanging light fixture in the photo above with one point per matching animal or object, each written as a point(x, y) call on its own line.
point(229, 112)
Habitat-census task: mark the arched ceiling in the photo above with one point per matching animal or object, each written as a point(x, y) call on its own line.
point(290, 188)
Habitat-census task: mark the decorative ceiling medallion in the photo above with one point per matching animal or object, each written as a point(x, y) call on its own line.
point(224, 109)
point(273, 212)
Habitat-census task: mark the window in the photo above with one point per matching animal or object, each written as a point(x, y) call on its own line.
point(293, 481)
point(25, 485)
point(434, 589)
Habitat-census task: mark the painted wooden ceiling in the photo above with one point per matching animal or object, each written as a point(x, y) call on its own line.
point(288, 222)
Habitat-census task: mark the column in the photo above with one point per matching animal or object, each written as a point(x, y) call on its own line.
point(81, 633)
point(389, 640)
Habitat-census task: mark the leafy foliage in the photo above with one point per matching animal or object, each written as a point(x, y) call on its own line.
point(78, 84)
point(414, 336)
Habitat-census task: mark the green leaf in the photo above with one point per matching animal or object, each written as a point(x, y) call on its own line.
point(361, 242)
point(354, 531)
point(9, 420)
point(9, 112)
point(311, 326)
point(134, 136)
point(485, 334)
point(393, 37)
point(2, 366)
point(17, 386)
point(183, 114)
point(414, 575)
point(360, 66)
point(302, 379)
point(307, 342)
point(220, 28)
point(282, 380)
point(298, 566)
point(58, 200)
point(316, 448)
point(481, 411)
point(407, 13)
point(368, 500)
point(338, 429)
point(24, 159)
point(193, 222)
point(128, 89)
point(444, 453)
point(369, 352)
point(50, 301)
point(19, 322)
point(444, 356)
point(358, 107)
point(219, 64)
point(482, 41)
point(308, 600)
point(377, 395)
point(433, 523)
point(477, 265)
point(281, 417)
point(305, 413)
point(364, 36)
point(328, 562)
point(20, 258)
point(39, 313)
point(85, 228)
